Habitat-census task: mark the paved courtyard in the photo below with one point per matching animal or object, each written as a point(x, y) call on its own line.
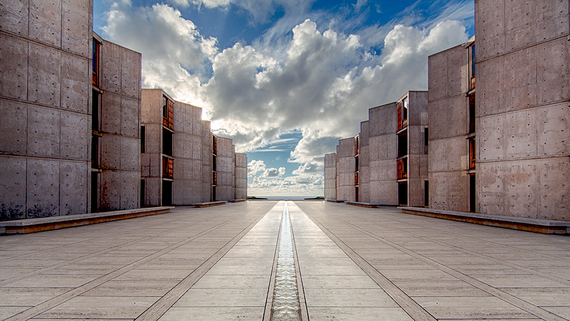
point(219, 263)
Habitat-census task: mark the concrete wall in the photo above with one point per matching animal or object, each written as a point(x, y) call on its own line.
point(523, 122)
point(207, 158)
point(241, 177)
point(45, 107)
point(225, 167)
point(448, 110)
point(346, 167)
point(364, 163)
point(187, 152)
point(330, 176)
point(417, 158)
point(151, 159)
point(383, 152)
point(120, 82)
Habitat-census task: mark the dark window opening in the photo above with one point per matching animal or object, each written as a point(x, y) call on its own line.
point(143, 192)
point(95, 66)
point(402, 145)
point(472, 157)
point(167, 113)
point(403, 194)
point(95, 151)
point(167, 167)
point(166, 142)
point(164, 107)
point(214, 162)
point(402, 168)
point(143, 139)
point(356, 198)
point(356, 146)
point(356, 164)
point(214, 145)
point(166, 193)
point(426, 140)
point(95, 111)
point(94, 191)
point(403, 114)
point(355, 178)
point(472, 115)
point(214, 196)
point(426, 193)
point(214, 178)
point(472, 194)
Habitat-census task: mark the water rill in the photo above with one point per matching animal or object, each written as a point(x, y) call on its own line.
point(285, 296)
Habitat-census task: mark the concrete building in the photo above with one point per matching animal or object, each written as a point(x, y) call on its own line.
point(240, 177)
point(452, 164)
point(45, 108)
point(386, 163)
point(330, 176)
point(182, 162)
point(115, 121)
point(520, 120)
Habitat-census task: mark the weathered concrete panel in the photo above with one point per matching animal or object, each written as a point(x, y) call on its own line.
point(111, 55)
point(111, 113)
point(13, 67)
point(449, 191)
point(43, 131)
point(151, 105)
point(384, 192)
point(521, 75)
point(110, 190)
point(520, 133)
point(74, 135)
point(553, 130)
point(552, 71)
point(130, 111)
point(14, 14)
point(110, 152)
point(75, 85)
point(130, 184)
point(490, 22)
point(383, 120)
point(491, 140)
point(554, 190)
point(491, 92)
point(76, 26)
point(130, 73)
point(448, 117)
point(42, 183)
point(13, 123)
point(448, 154)
point(45, 21)
point(418, 113)
point(44, 75)
point(130, 154)
point(73, 181)
point(13, 188)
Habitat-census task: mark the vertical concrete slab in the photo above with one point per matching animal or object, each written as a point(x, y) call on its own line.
point(42, 199)
point(14, 15)
point(111, 113)
point(73, 180)
point(553, 191)
point(44, 75)
point(75, 84)
point(13, 188)
point(13, 123)
point(553, 130)
point(73, 141)
point(75, 32)
point(45, 21)
point(13, 67)
point(110, 190)
point(130, 184)
point(44, 131)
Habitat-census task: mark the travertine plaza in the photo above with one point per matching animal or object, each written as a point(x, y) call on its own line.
point(81, 143)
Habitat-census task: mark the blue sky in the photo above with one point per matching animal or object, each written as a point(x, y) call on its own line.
point(285, 79)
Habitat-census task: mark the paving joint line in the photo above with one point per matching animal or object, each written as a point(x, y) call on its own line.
point(51, 303)
point(162, 305)
point(411, 307)
point(519, 303)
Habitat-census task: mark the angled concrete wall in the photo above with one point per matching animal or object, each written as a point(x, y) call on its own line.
point(448, 129)
point(523, 121)
point(120, 169)
point(417, 156)
point(330, 176)
point(383, 152)
point(187, 152)
point(364, 163)
point(225, 166)
point(207, 158)
point(241, 176)
point(346, 167)
point(45, 107)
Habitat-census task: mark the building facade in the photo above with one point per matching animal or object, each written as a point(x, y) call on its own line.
point(386, 163)
point(115, 124)
point(45, 108)
point(182, 162)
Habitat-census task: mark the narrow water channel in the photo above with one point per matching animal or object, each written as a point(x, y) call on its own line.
point(285, 296)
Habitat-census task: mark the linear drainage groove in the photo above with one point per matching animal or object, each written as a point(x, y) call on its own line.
point(285, 295)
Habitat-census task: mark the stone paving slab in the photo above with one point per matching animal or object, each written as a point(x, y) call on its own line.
point(217, 263)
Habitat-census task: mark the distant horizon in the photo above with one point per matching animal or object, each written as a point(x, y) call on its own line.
point(287, 197)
